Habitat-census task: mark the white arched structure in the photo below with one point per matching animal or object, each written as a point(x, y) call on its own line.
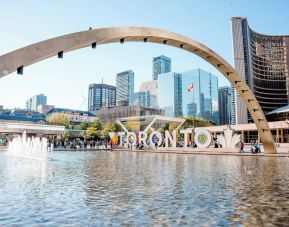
point(18, 59)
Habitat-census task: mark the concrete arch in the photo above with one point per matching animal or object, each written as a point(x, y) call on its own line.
point(16, 60)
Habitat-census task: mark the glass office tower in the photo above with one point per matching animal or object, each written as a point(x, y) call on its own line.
point(144, 98)
point(263, 62)
point(170, 93)
point(101, 96)
point(33, 102)
point(161, 64)
point(225, 105)
point(124, 87)
point(202, 101)
point(152, 88)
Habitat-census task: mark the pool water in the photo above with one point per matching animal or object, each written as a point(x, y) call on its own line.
point(146, 189)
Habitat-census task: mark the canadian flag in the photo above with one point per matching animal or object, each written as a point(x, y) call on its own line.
point(190, 88)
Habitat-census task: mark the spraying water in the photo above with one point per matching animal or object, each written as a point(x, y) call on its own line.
point(33, 148)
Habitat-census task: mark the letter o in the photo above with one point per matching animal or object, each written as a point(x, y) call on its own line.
point(131, 138)
point(158, 135)
point(203, 138)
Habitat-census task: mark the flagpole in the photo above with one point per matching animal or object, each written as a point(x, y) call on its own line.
point(193, 109)
point(191, 88)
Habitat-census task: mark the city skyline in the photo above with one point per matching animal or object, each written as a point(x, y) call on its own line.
point(144, 113)
point(80, 68)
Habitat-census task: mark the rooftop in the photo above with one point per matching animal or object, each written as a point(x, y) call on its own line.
point(70, 111)
point(283, 109)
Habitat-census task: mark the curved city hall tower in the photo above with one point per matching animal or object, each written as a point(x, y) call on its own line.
point(263, 62)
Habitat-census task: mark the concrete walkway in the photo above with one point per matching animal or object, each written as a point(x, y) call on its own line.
point(204, 151)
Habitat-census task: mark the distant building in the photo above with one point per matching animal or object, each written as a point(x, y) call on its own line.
point(139, 99)
point(170, 93)
point(280, 114)
point(262, 61)
point(124, 87)
point(145, 99)
point(152, 88)
point(44, 109)
point(110, 115)
point(75, 116)
point(33, 102)
point(202, 101)
point(20, 115)
point(101, 96)
point(161, 64)
point(225, 105)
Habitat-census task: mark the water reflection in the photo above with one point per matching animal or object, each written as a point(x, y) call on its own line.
point(261, 195)
point(127, 188)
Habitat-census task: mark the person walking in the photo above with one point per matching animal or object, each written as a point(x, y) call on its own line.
point(257, 148)
point(241, 147)
point(252, 146)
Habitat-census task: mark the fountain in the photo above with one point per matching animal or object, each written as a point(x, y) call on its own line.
point(26, 147)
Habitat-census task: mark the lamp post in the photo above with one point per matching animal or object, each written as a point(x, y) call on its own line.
point(191, 88)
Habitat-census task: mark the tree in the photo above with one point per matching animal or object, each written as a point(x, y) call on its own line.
point(97, 125)
point(66, 134)
point(190, 122)
point(58, 119)
point(110, 127)
point(90, 133)
point(133, 125)
point(161, 130)
point(173, 126)
point(84, 125)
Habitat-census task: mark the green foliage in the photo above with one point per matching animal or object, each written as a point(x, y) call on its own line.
point(90, 133)
point(161, 130)
point(166, 127)
point(66, 134)
point(190, 122)
point(132, 125)
point(110, 127)
point(84, 125)
point(59, 119)
point(197, 121)
point(173, 126)
point(97, 125)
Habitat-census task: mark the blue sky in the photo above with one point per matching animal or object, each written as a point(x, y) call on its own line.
point(65, 81)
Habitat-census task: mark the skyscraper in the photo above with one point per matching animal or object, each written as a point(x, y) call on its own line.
point(225, 105)
point(101, 96)
point(151, 87)
point(202, 101)
point(144, 98)
point(170, 93)
point(161, 64)
point(263, 62)
point(124, 87)
point(33, 102)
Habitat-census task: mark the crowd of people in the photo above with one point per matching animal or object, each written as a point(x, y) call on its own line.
point(78, 144)
point(100, 144)
point(254, 147)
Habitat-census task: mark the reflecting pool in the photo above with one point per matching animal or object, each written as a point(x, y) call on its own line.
point(128, 188)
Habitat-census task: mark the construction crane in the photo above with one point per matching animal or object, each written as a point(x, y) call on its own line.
point(84, 99)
